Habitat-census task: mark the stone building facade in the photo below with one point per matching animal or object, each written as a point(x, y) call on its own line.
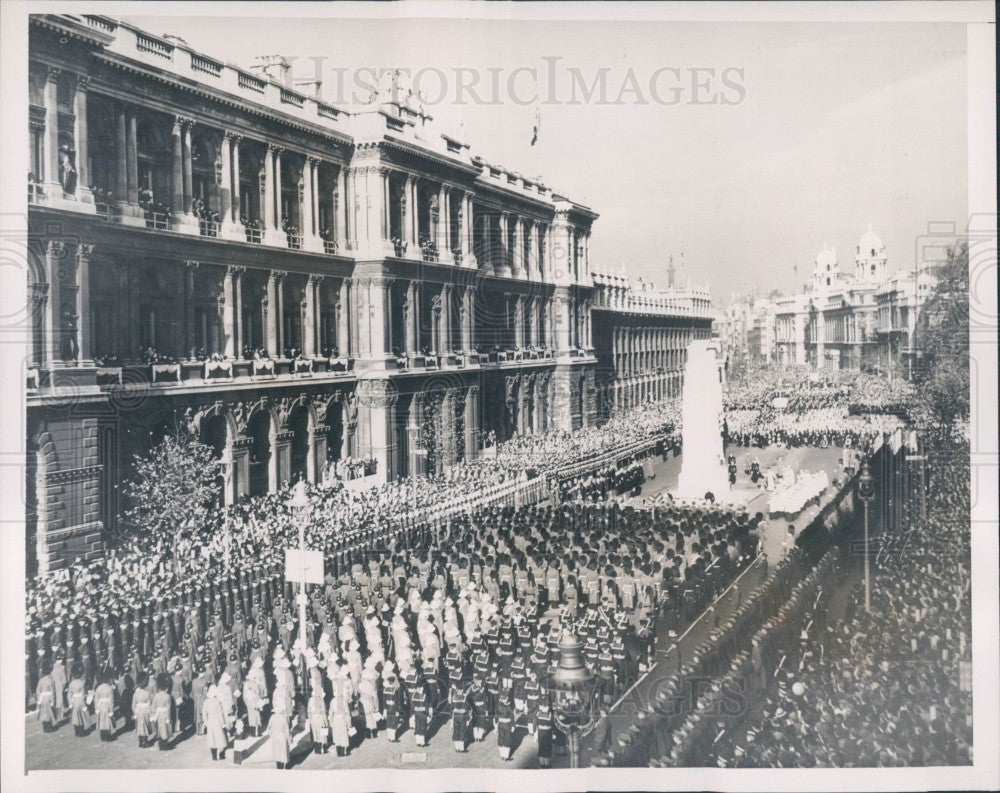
point(641, 336)
point(299, 283)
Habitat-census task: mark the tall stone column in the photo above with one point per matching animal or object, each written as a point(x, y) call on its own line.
point(280, 317)
point(471, 423)
point(310, 225)
point(236, 204)
point(445, 334)
point(406, 211)
point(278, 236)
point(376, 413)
point(84, 354)
point(315, 203)
point(519, 321)
point(413, 250)
point(190, 268)
point(271, 316)
point(309, 317)
point(55, 254)
point(53, 187)
point(441, 226)
point(468, 319)
point(177, 173)
point(486, 261)
point(562, 320)
point(534, 256)
point(81, 141)
point(385, 174)
point(468, 257)
point(343, 308)
point(340, 211)
point(543, 251)
point(132, 160)
point(518, 257)
point(121, 158)
point(238, 309)
point(226, 188)
point(374, 320)
point(409, 319)
point(502, 266)
point(305, 200)
point(267, 210)
point(188, 187)
point(228, 314)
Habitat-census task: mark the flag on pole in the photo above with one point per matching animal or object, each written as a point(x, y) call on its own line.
point(538, 124)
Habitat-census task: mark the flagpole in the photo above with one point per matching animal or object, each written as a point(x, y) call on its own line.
point(535, 141)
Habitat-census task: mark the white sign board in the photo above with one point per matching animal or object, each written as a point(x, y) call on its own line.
point(297, 561)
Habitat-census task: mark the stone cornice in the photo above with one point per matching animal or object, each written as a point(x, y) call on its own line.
point(249, 131)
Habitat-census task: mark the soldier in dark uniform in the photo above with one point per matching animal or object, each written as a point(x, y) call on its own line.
point(505, 726)
point(421, 713)
point(395, 709)
point(543, 734)
point(482, 718)
point(459, 701)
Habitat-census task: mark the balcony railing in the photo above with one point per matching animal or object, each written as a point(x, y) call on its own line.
point(36, 193)
point(201, 64)
point(208, 228)
point(157, 220)
point(145, 43)
point(109, 212)
point(251, 83)
point(254, 235)
point(101, 23)
point(291, 98)
point(329, 246)
point(294, 241)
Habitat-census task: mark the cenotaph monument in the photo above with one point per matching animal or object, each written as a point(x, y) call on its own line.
point(703, 465)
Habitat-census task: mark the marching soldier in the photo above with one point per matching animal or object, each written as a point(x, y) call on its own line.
point(459, 714)
point(104, 707)
point(141, 704)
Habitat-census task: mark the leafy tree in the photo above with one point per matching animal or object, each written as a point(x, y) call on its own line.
point(174, 489)
point(942, 332)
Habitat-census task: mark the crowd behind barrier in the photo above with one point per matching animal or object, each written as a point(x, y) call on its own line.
point(893, 675)
point(806, 389)
point(658, 720)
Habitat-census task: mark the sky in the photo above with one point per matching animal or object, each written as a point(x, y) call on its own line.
point(817, 131)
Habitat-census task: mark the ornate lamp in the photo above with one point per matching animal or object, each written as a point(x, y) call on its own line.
point(866, 483)
point(866, 491)
point(572, 691)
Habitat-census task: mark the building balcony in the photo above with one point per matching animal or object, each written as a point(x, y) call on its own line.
point(108, 375)
point(294, 241)
point(158, 220)
point(254, 235)
point(208, 228)
point(36, 193)
point(110, 213)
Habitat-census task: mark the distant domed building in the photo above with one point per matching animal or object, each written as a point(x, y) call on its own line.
point(870, 259)
point(826, 270)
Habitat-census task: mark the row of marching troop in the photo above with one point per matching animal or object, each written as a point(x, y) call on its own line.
point(461, 625)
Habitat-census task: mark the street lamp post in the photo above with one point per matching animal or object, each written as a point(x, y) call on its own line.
point(572, 686)
point(866, 489)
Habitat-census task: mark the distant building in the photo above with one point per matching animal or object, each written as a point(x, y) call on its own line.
point(860, 321)
point(641, 334)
